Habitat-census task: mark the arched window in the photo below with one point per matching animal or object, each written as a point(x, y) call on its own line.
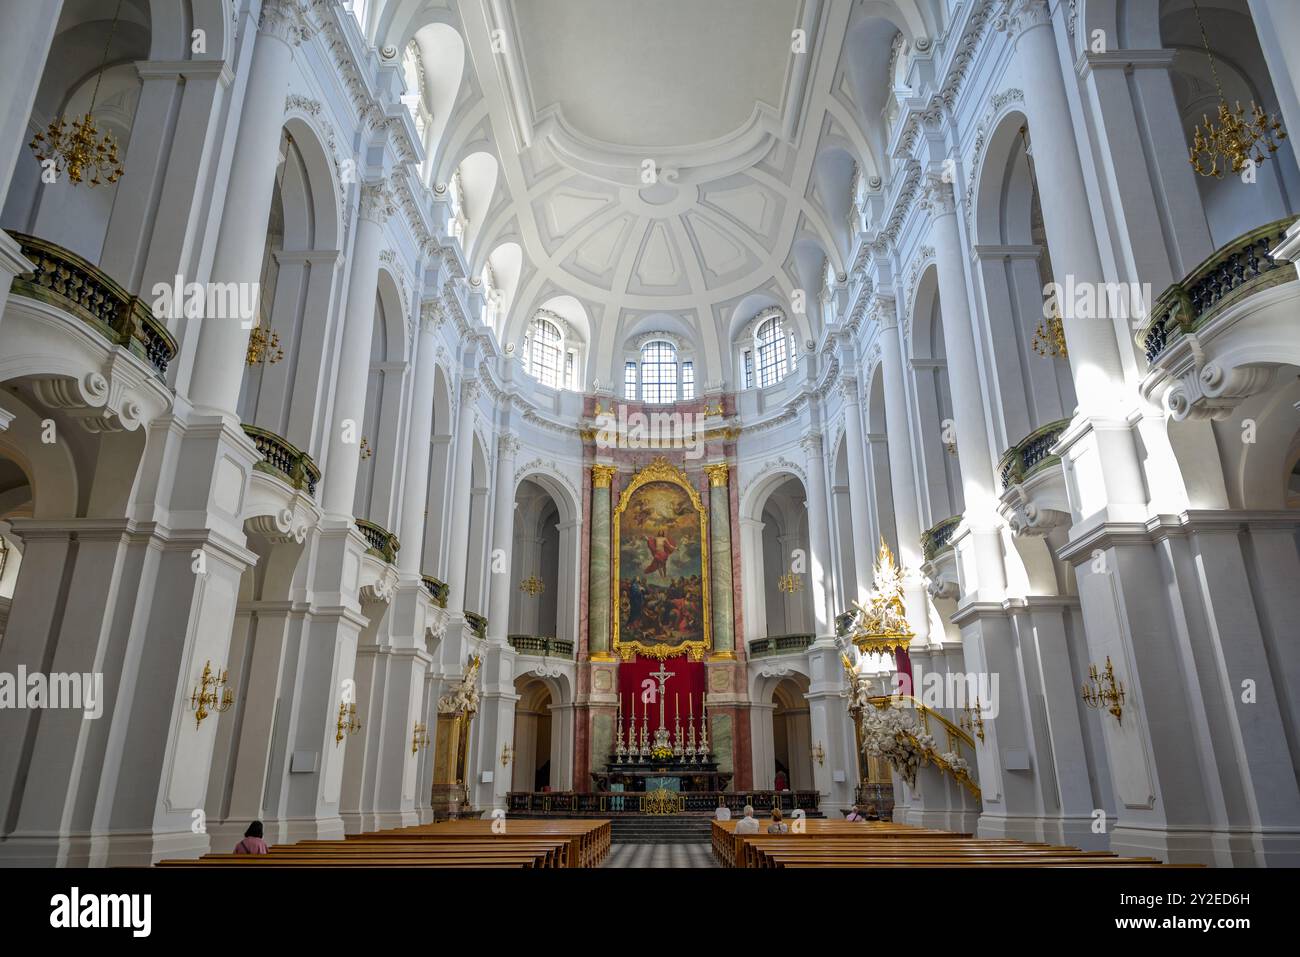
point(551, 354)
point(773, 352)
point(658, 372)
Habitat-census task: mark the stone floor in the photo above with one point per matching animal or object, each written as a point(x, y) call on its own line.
point(660, 855)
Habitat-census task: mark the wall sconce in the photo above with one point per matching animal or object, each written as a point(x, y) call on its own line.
point(532, 586)
point(347, 724)
point(420, 739)
point(972, 720)
point(507, 754)
point(263, 346)
point(366, 450)
point(789, 583)
point(212, 694)
point(819, 753)
point(1104, 691)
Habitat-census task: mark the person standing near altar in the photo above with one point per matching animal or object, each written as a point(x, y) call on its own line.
point(780, 782)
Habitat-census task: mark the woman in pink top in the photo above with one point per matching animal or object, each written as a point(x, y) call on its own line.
point(252, 842)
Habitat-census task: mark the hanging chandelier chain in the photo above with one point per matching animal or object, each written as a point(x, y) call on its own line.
point(1205, 41)
point(103, 61)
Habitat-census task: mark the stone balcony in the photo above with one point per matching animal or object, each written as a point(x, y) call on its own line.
point(1217, 336)
point(88, 347)
point(940, 567)
point(1035, 498)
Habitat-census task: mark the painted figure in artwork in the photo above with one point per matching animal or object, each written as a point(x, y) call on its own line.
point(661, 597)
point(661, 549)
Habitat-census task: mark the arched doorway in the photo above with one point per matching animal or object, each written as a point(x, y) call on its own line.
point(533, 737)
point(791, 735)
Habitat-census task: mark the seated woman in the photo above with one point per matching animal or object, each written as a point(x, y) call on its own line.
point(252, 842)
point(777, 826)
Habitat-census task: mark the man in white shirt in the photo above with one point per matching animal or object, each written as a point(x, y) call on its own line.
point(747, 824)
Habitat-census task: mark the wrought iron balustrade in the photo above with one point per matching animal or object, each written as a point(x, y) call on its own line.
point(382, 542)
point(437, 590)
point(539, 645)
point(1241, 267)
point(63, 279)
point(779, 645)
point(1030, 454)
point(934, 541)
point(284, 460)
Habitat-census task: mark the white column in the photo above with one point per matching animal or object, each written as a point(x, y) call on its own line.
point(902, 479)
point(416, 487)
point(1067, 216)
point(24, 45)
point(862, 547)
point(959, 342)
point(503, 539)
point(344, 456)
point(458, 547)
point(819, 540)
point(222, 342)
point(1278, 24)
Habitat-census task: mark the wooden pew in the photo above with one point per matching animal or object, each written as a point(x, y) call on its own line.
point(885, 844)
point(464, 843)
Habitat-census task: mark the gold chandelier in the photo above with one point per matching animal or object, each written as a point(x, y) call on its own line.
point(789, 583)
point(82, 150)
point(532, 586)
point(1236, 134)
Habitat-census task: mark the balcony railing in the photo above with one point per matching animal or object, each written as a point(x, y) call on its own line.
point(1237, 270)
point(478, 623)
point(779, 645)
point(537, 645)
point(382, 542)
point(284, 460)
point(1030, 454)
point(936, 540)
point(606, 803)
point(65, 280)
point(437, 590)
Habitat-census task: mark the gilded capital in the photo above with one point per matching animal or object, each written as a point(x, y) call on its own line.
point(602, 475)
point(717, 474)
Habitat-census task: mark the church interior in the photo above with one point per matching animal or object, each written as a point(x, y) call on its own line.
point(599, 433)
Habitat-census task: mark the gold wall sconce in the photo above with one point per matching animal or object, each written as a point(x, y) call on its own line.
point(507, 754)
point(366, 450)
point(347, 723)
point(532, 586)
point(1103, 691)
point(212, 695)
point(972, 720)
point(790, 583)
point(819, 753)
point(420, 738)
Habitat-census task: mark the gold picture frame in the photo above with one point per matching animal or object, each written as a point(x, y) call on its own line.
point(661, 470)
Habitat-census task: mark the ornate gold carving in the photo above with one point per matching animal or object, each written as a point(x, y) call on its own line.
point(717, 474)
point(881, 624)
point(601, 475)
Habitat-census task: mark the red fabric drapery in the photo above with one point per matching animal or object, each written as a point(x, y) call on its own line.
point(685, 689)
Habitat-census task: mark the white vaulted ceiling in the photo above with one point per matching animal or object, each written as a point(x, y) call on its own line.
point(583, 97)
